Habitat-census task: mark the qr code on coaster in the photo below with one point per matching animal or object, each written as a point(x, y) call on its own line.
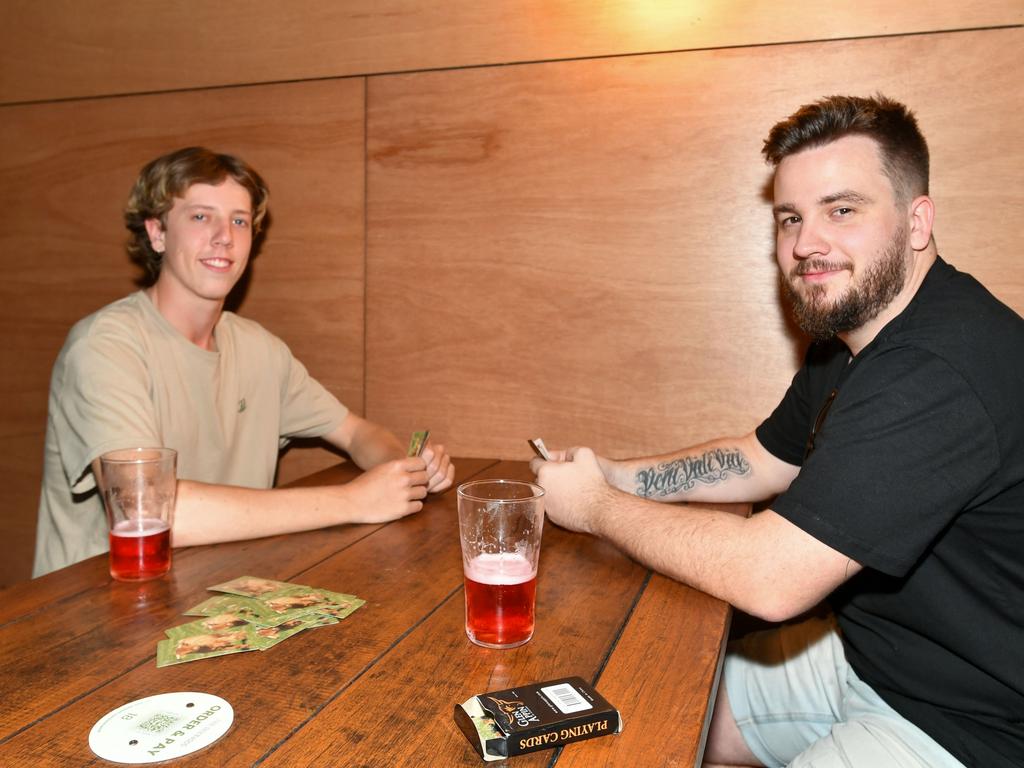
point(161, 721)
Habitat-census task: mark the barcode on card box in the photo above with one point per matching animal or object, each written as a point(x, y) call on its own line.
point(566, 698)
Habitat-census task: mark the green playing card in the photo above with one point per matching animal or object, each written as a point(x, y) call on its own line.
point(418, 440)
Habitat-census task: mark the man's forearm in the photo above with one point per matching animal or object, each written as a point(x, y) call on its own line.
point(207, 514)
point(727, 470)
point(681, 475)
point(368, 444)
point(763, 565)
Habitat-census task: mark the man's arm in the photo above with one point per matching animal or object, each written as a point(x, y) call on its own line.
point(763, 565)
point(370, 445)
point(206, 513)
point(723, 470)
point(393, 486)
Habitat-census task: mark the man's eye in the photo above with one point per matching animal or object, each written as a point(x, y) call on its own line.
point(199, 216)
point(789, 221)
point(241, 222)
point(844, 211)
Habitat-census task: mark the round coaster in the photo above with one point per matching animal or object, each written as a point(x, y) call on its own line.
point(161, 727)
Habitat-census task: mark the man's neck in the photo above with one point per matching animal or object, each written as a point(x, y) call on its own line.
point(921, 262)
point(193, 317)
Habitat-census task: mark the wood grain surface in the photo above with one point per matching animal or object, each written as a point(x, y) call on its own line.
point(378, 688)
point(664, 665)
point(62, 48)
point(584, 250)
point(106, 649)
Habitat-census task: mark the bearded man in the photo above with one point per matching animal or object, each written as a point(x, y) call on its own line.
point(895, 469)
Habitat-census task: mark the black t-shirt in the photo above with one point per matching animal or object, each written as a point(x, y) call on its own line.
point(917, 473)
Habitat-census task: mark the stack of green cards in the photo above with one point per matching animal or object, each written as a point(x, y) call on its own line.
point(254, 614)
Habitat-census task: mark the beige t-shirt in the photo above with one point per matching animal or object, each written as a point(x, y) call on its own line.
point(126, 378)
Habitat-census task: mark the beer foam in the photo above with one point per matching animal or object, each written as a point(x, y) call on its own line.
point(147, 526)
point(500, 569)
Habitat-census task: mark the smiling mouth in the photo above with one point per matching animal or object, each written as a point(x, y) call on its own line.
point(216, 263)
point(815, 270)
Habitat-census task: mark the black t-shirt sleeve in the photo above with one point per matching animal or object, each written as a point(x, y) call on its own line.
point(905, 447)
point(784, 433)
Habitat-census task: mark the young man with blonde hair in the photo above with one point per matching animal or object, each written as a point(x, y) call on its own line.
point(168, 366)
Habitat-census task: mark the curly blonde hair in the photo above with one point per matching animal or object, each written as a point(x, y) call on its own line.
point(169, 177)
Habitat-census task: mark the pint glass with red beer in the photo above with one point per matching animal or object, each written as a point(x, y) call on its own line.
point(500, 525)
point(139, 487)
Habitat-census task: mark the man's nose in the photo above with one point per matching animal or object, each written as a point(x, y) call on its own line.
point(223, 235)
point(810, 242)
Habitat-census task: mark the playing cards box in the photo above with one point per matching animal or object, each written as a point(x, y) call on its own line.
point(501, 724)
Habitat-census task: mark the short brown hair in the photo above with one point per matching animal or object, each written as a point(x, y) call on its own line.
point(903, 150)
point(169, 177)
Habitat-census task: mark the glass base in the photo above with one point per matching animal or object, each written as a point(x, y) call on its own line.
point(498, 646)
point(136, 576)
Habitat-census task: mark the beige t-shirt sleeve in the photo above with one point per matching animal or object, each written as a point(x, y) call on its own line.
point(101, 403)
point(307, 408)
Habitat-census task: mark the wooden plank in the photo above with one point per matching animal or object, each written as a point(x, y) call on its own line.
point(399, 712)
point(96, 649)
point(377, 568)
point(64, 49)
point(672, 684)
point(21, 467)
point(588, 248)
point(664, 668)
point(109, 649)
point(65, 174)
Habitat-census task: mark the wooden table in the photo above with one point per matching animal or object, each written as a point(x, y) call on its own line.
point(378, 689)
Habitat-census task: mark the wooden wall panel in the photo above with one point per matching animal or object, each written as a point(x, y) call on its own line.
point(582, 250)
point(65, 172)
point(51, 49)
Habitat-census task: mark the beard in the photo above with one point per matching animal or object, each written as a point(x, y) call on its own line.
point(860, 303)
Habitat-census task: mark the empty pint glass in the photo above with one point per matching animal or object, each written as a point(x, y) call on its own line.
point(500, 524)
point(139, 487)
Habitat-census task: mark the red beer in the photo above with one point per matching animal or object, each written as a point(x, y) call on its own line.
point(500, 596)
point(140, 549)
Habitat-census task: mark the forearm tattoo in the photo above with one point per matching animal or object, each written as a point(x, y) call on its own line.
point(683, 474)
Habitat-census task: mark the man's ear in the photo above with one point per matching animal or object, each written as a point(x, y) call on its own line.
point(155, 230)
point(922, 216)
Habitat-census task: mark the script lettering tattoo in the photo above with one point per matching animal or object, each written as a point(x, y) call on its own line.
point(683, 474)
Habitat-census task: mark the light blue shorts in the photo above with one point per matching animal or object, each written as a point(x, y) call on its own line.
point(798, 703)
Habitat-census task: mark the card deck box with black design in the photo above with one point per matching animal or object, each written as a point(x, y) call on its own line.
point(512, 722)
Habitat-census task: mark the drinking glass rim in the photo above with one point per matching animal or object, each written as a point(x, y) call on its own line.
point(463, 490)
point(161, 454)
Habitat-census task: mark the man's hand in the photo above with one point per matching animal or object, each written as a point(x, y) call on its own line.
point(388, 491)
point(370, 445)
point(615, 473)
point(440, 470)
point(576, 494)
